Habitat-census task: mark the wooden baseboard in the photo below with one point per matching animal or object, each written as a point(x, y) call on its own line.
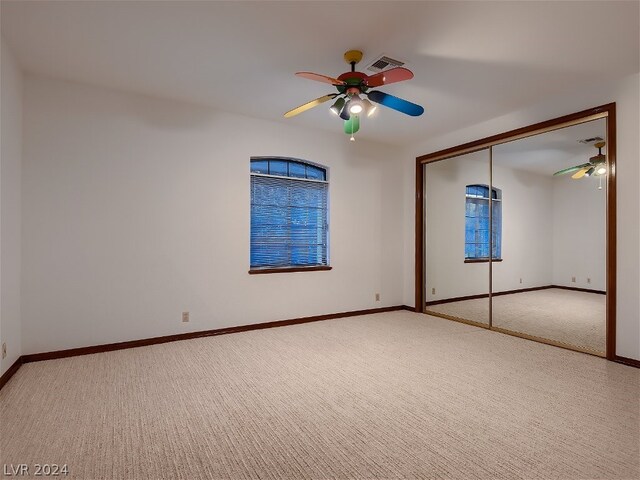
point(457, 299)
point(10, 372)
point(486, 295)
point(521, 290)
point(510, 292)
point(632, 362)
point(72, 352)
point(576, 289)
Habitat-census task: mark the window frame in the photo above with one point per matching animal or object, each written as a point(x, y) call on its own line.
point(494, 195)
point(257, 270)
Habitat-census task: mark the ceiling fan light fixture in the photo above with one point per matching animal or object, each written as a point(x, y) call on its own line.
point(589, 172)
point(355, 108)
point(344, 113)
point(355, 105)
point(601, 170)
point(369, 107)
point(337, 107)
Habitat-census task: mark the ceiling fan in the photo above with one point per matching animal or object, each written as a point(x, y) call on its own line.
point(595, 167)
point(351, 86)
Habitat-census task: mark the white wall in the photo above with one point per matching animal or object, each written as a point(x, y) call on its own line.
point(579, 226)
point(136, 209)
point(527, 228)
point(625, 92)
point(10, 205)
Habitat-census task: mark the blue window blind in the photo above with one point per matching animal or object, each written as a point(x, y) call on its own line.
point(477, 223)
point(289, 222)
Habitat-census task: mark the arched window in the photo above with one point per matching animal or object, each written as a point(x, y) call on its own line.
point(289, 217)
point(477, 223)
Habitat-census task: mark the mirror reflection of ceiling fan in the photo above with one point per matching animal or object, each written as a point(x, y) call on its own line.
point(597, 165)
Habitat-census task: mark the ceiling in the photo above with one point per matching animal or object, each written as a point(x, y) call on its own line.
point(551, 151)
point(472, 60)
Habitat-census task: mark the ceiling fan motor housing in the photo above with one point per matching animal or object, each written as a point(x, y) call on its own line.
point(354, 83)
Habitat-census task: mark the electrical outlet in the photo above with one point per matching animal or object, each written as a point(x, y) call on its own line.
point(433, 291)
point(377, 297)
point(185, 316)
point(588, 280)
point(573, 279)
point(520, 280)
point(4, 350)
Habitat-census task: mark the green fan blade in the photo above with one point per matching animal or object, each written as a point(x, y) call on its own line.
point(572, 169)
point(352, 125)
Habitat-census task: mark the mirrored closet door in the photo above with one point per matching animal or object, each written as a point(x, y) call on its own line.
point(515, 236)
point(551, 281)
point(457, 237)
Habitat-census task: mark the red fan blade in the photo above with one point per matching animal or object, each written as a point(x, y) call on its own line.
point(320, 78)
point(392, 75)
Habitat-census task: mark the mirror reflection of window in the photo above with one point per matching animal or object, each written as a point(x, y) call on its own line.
point(478, 223)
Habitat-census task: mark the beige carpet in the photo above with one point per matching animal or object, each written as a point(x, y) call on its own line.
point(574, 318)
point(397, 395)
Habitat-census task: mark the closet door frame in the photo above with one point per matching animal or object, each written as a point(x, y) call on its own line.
point(608, 112)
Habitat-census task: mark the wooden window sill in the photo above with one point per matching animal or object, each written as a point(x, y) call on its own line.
point(481, 260)
point(256, 271)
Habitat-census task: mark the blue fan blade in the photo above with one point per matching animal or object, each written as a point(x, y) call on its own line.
point(396, 103)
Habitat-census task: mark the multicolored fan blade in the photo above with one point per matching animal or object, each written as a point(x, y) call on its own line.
point(308, 105)
point(572, 169)
point(392, 75)
point(320, 78)
point(396, 103)
point(580, 173)
point(352, 125)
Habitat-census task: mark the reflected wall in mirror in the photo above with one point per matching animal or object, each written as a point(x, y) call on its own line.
point(457, 205)
point(552, 278)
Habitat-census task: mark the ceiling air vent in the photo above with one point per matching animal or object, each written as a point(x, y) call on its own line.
point(591, 141)
point(384, 62)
